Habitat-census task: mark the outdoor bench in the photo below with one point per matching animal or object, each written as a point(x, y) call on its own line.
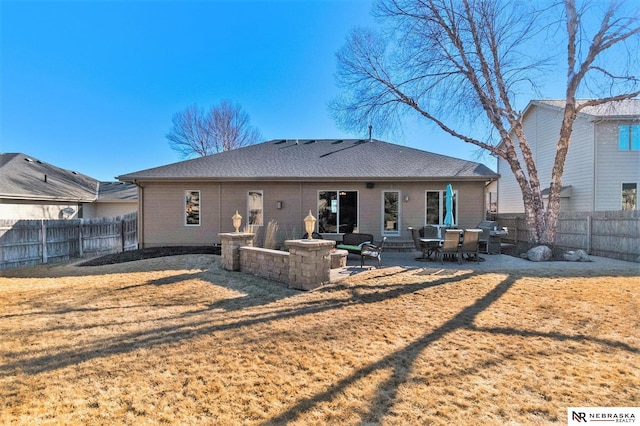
point(353, 241)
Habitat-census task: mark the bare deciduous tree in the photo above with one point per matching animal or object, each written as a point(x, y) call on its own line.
point(223, 127)
point(462, 64)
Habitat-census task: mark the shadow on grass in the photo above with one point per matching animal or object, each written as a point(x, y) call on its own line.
point(386, 392)
point(399, 361)
point(128, 342)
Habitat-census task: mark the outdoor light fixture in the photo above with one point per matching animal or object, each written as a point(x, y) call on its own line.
point(278, 204)
point(237, 221)
point(309, 225)
point(406, 198)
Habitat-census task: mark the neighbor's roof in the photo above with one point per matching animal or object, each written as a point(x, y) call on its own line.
point(117, 191)
point(326, 159)
point(24, 177)
point(626, 109)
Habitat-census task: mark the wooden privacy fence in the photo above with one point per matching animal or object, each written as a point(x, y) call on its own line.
point(614, 234)
point(33, 242)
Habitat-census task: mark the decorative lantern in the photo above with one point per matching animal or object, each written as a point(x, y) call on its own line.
point(310, 225)
point(237, 221)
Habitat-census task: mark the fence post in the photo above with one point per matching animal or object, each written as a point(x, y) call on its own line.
point(44, 242)
point(589, 231)
point(122, 234)
point(81, 249)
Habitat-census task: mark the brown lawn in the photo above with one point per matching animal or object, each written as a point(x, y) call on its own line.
point(179, 340)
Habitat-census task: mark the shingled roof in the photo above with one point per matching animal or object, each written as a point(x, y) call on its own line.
point(624, 109)
point(321, 159)
point(26, 178)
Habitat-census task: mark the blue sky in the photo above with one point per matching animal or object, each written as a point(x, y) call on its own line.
point(92, 86)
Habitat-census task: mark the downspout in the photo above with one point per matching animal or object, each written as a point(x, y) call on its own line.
point(219, 208)
point(488, 207)
point(140, 214)
point(595, 170)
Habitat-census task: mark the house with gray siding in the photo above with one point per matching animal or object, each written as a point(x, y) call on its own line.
point(368, 186)
point(602, 169)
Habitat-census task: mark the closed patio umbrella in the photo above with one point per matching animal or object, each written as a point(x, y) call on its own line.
point(448, 219)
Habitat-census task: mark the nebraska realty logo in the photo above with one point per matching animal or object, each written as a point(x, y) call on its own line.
point(582, 415)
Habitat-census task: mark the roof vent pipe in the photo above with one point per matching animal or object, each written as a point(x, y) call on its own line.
point(45, 178)
point(370, 131)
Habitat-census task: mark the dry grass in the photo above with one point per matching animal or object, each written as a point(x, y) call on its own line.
point(179, 340)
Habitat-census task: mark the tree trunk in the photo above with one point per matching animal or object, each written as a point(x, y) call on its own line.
point(529, 184)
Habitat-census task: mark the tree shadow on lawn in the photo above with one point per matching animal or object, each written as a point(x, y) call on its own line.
point(399, 361)
point(148, 338)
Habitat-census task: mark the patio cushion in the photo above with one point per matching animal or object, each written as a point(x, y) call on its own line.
point(350, 248)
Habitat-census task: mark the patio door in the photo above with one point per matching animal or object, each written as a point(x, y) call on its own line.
point(337, 211)
point(436, 207)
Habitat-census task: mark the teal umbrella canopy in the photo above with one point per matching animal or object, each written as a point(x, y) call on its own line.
point(448, 218)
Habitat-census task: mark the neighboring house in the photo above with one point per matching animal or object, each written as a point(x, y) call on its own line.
point(33, 189)
point(602, 169)
point(366, 186)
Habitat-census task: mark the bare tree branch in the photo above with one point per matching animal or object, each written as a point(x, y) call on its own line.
point(223, 127)
point(462, 63)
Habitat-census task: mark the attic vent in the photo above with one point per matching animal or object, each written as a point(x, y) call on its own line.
point(28, 159)
point(38, 161)
point(310, 142)
point(75, 173)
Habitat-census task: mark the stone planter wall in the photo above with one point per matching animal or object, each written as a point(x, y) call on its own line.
point(230, 249)
point(305, 266)
point(309, 263)
point(267, 263)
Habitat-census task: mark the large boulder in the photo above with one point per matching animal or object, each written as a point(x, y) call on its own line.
point(539, 254)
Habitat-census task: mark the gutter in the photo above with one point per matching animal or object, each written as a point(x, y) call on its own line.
point(45, 198)
point(317, 179)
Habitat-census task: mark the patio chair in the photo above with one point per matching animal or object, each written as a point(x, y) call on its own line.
point(450, 245)
point(471, 244)
point(419, 245)
point(429, 232)
point(372, 251)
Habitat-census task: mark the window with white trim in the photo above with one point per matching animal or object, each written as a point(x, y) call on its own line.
point(629, 137)
point(629, 196)
point(337, 211)
point(436, 207)
point(192, 208)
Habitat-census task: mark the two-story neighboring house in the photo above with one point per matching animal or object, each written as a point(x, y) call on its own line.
point(602, 169)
